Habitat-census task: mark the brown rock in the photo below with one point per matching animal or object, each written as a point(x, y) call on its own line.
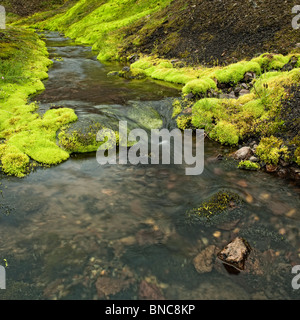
point(149, 291)
point(107, 286)
point(203, 262)
point(235, 253)
point(187, 111)
point(243, 92)
point(254, 264)
point(249, 76)
point(243, 153)
point(295, 173)
point(271, 168)
point(282, 172)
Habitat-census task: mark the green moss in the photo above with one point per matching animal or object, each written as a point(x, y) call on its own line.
point(228, 121)
point(133, 74)
point(142, 64)
point(101, 24)
point(297, 156)
point(204, 113)
point(254, 108)
point(248, 165)
point(177, 108)
point(234, 73)
point(14, 162)
point(270, 149)
point(199, 86)
point(165, 64)
point(27, 134)
point(184, 122)
point(216, 205)
point(269, 61)
point(225, 133)
point(80, 141)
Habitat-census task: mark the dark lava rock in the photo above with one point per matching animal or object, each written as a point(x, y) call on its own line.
point(249, 76)
point(133, 58)
point(126, 69)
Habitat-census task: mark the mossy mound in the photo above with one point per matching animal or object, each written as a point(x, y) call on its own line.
point(248, 165)
point(221, 203)
point(81, 139)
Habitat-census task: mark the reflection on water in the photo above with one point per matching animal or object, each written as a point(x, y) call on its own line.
point(84, 231)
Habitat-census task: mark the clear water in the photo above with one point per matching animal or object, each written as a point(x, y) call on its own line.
point(69, 230)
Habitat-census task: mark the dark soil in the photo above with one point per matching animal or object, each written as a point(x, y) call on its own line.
point(290, 112)
point(216, 31)
point(25, 8)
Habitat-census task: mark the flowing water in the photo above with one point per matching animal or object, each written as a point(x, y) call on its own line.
point(80, 230)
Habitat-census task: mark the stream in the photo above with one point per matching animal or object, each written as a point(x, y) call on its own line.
point(84, 231)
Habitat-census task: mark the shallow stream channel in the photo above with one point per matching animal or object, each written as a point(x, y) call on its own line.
point(81, 230)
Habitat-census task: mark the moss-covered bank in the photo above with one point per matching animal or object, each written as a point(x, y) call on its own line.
point(97, 24)
point(251, 99)
point(27, 139)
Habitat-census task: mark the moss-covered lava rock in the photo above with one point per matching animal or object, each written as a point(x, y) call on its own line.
point(218, 204)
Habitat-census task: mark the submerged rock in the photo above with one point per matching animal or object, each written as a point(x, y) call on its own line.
point(204, 261)
point(107, 286)
point(148, 237)
point(150, 291)
point(219, 203)
point(113, 74)
point(235, 253)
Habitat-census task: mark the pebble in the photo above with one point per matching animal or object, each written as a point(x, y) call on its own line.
point(264, 196)
point(217, 234)
point(242, 183)
point(249, 198)
point(205, 241)
point(282, 231)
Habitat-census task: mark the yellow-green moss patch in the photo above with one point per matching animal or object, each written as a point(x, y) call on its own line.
point(27, 135)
